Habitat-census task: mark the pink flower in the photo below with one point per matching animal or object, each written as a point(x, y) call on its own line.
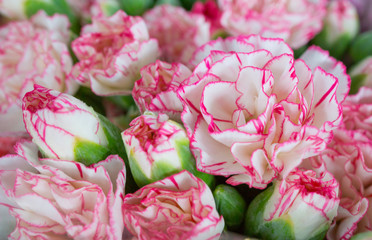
point(302, 197)
point(255, 115)
point(211, 12)
point(295, 21)
point(178, 32)
point(156, 148)
point(357, 110)
point(56, 199)
point(111, 52)
point(8, 141)
point(348, 158)
point(178, 207)
point(14, 9)
point(33, 51)
point(59, 124)
point(156, 91)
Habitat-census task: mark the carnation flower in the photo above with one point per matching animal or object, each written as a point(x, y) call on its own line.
point(156, 91)
point(364, 8)
point(295, 21)
point(66, 128)
point(357, 111)
point(33, 51)
point(178, 207)
point(57, 199)
point(156, 148)
point(178, 32)
point(255, 115)
point(302, 197)
point(111, 52)
point(348, 158)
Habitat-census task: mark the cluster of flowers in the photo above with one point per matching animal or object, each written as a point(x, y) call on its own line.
point(145, 119)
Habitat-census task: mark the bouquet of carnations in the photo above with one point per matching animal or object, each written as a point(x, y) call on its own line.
point(184, 119)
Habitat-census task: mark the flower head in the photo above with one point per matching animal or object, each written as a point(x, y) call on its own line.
point(111, 52)
point(178, 207)
point(52, 198)
point(295, 21)
point(156, 91)
point(32, 51)
point(301, 197)
point(178, 32)
point(156, 148)
point(254, 115)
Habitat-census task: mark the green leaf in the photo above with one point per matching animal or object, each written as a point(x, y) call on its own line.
point(361, 47)
point(88, 152)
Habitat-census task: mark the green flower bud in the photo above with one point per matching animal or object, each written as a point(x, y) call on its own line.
point(230, 204)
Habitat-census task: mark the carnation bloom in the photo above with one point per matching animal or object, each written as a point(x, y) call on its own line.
point(111, 52)
point(348, 158)
point(156, 91)
point(256, 114)
point(178, 32)
point(33, 51)
point(357, 112)
point(211, 12)
point(302, 197)
point(156, 148)
point(57, 199)
point(295, 21)
point(178, 207)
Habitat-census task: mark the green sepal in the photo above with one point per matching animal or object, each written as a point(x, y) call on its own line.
point(362, 236)
point(256, 226)
point(136, 171)
point(88, 152)
point(357, 82)
point(52, 7)
point(136, 7)
point(361, 47)
point(230, 204)
point(209, 179)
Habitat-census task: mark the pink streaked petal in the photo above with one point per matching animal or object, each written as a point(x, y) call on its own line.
point(206, 146)
point(316, 57)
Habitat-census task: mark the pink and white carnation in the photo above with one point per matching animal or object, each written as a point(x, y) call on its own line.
point(111, 51)
point(178, 32)
point(178, 207)
point(86, 9)
point(156, 91)
point(254, 115)
point(57, 199)
point(302, 197)
point(295, 21)
point(357, 112)
point(348, 158)
point(211, 12)
point(33, 51)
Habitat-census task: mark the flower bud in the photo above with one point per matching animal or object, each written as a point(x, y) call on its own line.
point(66, 128)
point(230, 204)
point(136, 7)
point(361, 75)
point(156, 148)
point(341, 25)
point(303, 197)
point(361, 47)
